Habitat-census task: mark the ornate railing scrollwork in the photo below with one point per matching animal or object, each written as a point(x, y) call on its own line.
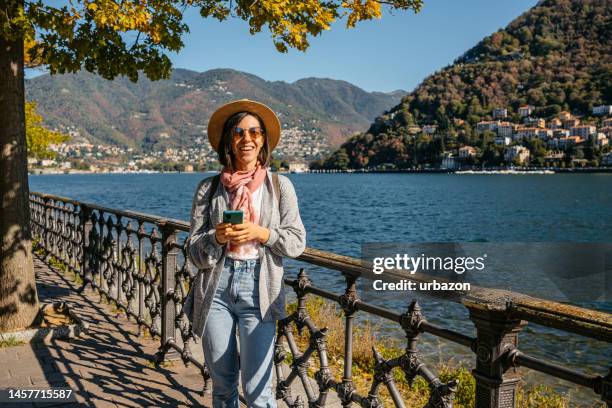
point(139, 262)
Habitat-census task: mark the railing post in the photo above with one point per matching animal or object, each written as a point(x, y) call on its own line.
point(496, 382)
point(118, 261)
point(168, 309)
point(348, 301)
point(86, 226)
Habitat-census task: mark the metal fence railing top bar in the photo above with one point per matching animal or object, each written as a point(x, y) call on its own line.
point(139, 261)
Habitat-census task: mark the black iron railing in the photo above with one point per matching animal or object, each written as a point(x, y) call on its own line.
point(139, 261)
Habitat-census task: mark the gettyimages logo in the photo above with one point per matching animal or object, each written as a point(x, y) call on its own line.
point(422, 263)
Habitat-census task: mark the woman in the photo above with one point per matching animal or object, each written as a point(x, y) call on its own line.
point(239, 285)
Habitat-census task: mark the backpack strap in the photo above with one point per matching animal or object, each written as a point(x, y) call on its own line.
point(276, 186)
point(214, 184)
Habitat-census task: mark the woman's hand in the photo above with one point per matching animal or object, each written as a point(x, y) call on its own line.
point(247, 231)
point(221, 232)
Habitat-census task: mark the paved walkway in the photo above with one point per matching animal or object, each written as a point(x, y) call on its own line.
point(108, 367)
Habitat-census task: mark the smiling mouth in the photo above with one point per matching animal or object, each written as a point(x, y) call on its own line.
point(246, 148)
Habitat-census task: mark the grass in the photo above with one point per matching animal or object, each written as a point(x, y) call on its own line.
point(327, 314)
point(10, 341)
point(164, 364)
point(146, 334)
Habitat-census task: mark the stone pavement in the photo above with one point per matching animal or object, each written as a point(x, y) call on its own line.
point(110, 366)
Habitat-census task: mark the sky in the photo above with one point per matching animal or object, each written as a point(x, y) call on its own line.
point(396, 52)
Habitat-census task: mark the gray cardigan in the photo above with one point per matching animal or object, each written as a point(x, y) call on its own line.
point(287, 238)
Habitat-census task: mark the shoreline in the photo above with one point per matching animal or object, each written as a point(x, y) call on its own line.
point(502, 171)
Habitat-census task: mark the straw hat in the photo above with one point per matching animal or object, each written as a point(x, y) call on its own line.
point(221, 115)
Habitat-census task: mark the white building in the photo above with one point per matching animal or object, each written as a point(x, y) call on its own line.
point(490, 125)
point(298, 167)
point(556, 123)
point(602, 110)
point(466, 152)
point(449, 162)
point(545, 134)
point(516, 152)
point(503, 140)
point(526, 132)
point(525, 110)
point(535, 122)
point(557, 133)
point(600, 140)
point(505, 129)
point(565, 142)
point(583, 131)
point(500, 113)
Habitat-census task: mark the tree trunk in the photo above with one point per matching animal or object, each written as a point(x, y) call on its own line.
point(18, 298)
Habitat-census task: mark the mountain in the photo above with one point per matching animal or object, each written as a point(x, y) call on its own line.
point(557, 57)
point(175, 112)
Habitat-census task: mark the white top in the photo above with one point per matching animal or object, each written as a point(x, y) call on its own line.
point(250, 249)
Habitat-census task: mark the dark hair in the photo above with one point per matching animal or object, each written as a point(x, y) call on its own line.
point(226, 155)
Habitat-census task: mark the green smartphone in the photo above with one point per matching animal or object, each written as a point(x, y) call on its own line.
point(233, 217)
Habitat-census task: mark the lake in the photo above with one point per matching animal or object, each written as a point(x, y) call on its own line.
point(342, 211)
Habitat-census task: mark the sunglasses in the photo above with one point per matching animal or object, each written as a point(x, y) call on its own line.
point(255, 131)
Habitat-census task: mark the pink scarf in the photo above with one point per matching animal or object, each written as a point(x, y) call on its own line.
point(241, 185)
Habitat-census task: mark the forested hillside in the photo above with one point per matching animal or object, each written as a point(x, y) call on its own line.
point(557, 57)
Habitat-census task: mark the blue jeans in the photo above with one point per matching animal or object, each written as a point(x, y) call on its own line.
point(236, 306)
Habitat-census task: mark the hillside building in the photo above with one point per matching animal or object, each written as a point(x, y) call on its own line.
point(566, 142)
point(525, 110)
point(553, 158)
point(570, 123)
point(487, 125)
point(602, 110)
point(506, 129)
point(545, 134)
point(584, 131)
point(298, 167)
point(518, 153)
point(535, 122)
point(557, 133)
point(503, 140)
point(449, 162)
point(500, 113)
point(555, 123)
point(600, 140)
point(526, 132)
point(466, 152)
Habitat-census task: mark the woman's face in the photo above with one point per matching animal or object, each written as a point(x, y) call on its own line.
point(247, 144)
